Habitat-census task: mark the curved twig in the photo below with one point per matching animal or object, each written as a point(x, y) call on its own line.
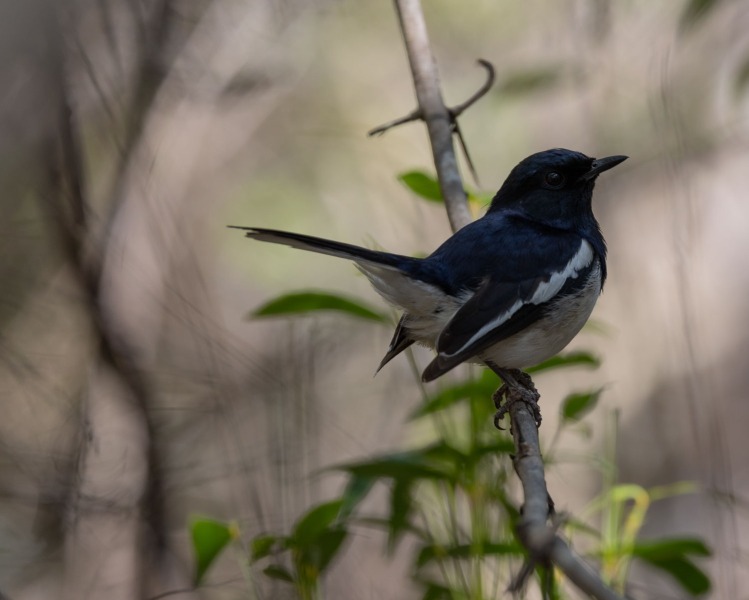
point(456, 111)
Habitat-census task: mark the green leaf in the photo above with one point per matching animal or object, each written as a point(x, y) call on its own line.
point(670, 548)
point(209, 538)
point(576, 406)
point(529, 81)
point(262, 546)
point(401, 504)
point(501, 446)
point(326, 547)
point(669, 555)
point(300, 303)
point(436, 551)
point(278, 572)
point(695, 11)
point(685, 572)
point(437, 591)
point(415, 464)
point(311, 525)
point(481, 387)
point(480, 198)
point(571, 359)
point(422, 184)
point(356, 490)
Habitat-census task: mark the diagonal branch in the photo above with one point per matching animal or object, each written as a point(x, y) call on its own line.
point(541, 540)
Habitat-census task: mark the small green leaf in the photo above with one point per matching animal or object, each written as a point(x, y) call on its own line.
point(670, 548)
point(209, 538)
point(481, 387)
point(571, 359)
point(401, 504)
point(325, 548)
point(299, 303)
point(685, 572)
point(695, 11)
point(422, 184)
point(437, 591)
point(401, 465)
point(312, 524)
point(576, 406)
point(262, 546)
point(278, 572)
point(501, 446)
point(670, 555)
point(429, 553)
point(529, 81)
point(356, 490)
point(480, 198)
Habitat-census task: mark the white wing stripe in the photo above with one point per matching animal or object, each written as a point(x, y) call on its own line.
point(544, 292)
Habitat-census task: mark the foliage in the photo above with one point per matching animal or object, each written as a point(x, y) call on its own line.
point(305, 302)
point(450, 497)
point(209, 539)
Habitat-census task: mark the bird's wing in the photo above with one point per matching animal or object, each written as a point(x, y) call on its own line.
point(499, 309)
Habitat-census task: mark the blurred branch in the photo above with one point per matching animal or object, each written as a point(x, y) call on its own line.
point(67, 200)
point(539, 539)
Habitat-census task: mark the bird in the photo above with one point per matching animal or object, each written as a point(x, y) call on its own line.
point(510, 289)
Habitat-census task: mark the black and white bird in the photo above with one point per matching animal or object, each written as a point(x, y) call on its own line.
point(510, 289)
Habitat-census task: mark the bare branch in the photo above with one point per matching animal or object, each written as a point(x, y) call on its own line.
point(434, 111)
point(454, 112)
point(540, 539)
point(458, 110)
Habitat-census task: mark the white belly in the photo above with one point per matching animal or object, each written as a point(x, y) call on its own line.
point(550, 335)
point(532, 345)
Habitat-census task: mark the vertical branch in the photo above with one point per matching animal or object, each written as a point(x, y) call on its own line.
point(433, 110)
point(119, 401)
point(540, 540)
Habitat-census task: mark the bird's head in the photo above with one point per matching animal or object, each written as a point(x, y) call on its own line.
point(554, 186)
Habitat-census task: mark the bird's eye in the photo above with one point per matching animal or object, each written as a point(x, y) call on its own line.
point(554, 179)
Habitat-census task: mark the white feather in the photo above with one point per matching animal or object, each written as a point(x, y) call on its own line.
point(544, 292)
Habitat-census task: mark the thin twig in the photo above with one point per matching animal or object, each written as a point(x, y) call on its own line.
point(454, 112)
point(414, 115)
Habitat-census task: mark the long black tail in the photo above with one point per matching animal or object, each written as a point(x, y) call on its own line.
point(323, 246)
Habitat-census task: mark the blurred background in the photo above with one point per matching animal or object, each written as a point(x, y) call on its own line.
point(135, 391)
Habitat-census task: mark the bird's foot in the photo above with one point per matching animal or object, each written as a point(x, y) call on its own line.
point(517, 387)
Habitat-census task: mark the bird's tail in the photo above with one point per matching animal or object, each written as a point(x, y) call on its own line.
point(360, 255)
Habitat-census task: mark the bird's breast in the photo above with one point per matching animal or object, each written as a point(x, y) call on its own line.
point(562, 320)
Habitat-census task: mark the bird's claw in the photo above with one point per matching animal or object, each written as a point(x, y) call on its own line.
point(525, 391)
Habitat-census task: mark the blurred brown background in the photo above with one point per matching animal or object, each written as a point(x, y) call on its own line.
point(190, 115)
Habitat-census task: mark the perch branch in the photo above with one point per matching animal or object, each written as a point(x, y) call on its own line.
point(433, 110)
point(540, 539)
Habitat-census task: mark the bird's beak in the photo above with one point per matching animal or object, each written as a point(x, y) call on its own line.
point(602, 164)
